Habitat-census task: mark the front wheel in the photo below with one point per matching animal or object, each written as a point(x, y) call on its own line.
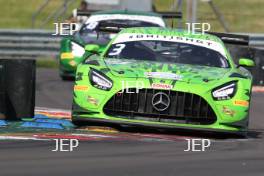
point(78, 123)
point(66, 78)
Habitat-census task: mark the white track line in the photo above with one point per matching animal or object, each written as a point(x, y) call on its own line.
point(21, 138)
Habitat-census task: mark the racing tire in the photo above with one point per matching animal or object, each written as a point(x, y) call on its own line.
point(66, 78)
point(78, 123)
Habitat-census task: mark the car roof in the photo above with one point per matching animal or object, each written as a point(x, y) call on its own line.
point(172, 32)
point(128, 12)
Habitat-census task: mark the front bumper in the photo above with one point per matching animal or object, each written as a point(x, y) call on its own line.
point(68, 67)
point(89, 103)
point(66, 73)
point(94, 116)
point(160, 126)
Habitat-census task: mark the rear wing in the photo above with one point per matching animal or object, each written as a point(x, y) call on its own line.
point(111, 28)
point(166, 15)
point(234, 39)
point(170, 15)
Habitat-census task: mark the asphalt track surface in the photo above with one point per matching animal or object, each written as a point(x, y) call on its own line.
point(242, 157)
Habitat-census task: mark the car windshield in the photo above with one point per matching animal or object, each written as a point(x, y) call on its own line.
point(93, 26)
point(90, 33)
point(166, 51)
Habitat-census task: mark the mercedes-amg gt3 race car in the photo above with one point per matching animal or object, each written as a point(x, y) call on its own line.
point(164, 78)
point(72, 47)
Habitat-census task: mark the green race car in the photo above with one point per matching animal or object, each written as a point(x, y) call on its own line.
point(72, 47)
point(161, 77)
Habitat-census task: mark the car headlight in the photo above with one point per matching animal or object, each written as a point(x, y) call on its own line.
point(99, 80)
point(225, 92)
point(77, 50)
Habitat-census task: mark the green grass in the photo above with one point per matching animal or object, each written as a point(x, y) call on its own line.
point(47, 63)
point(18, 13)
point(241, 16)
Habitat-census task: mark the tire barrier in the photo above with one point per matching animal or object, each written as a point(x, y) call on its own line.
point(28, 44)
point(258, 71)
point(17, 88)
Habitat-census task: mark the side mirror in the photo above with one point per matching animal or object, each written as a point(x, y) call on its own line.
point(246, 62)
point(92, 48)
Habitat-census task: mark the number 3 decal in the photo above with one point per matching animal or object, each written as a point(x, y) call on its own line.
point(117, 50)
point(92, 25)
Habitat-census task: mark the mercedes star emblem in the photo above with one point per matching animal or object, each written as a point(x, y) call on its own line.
point(160, 101)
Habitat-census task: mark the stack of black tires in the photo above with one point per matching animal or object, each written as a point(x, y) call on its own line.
point(17, 88)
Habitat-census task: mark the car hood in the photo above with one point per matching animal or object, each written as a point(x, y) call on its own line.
point(169, 71)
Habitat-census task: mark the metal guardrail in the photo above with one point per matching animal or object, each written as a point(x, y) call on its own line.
point(28, 44)
point(257, 40)
point(32, 43)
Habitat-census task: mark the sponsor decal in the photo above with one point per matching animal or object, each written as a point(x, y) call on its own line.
point(72, 63)
point(161, 86)
point(163, 75)
point(92, 100)
point(104, 17)
point(67, 56)
point(228, 111)
point(80, 88)
point(128, 37)
point(241, 103)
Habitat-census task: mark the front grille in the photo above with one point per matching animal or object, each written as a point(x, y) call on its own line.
point(186, 108)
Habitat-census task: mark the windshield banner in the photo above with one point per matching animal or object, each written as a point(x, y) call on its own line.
point(129, 37)
point(149, 19)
